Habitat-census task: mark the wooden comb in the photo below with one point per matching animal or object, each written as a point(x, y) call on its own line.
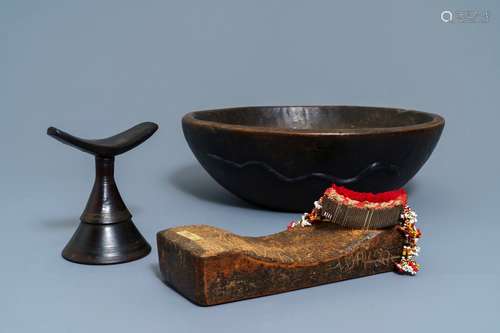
point(359, 210)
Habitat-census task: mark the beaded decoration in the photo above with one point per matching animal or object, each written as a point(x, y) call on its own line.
point(407, 263)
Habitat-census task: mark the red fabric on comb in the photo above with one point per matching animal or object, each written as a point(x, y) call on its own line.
point(370, 197)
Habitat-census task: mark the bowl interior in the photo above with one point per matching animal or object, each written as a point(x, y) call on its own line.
point(316, 117)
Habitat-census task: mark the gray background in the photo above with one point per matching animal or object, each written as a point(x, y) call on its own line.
point(97, 67)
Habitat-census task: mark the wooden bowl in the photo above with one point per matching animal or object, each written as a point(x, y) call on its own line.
point(284, 157)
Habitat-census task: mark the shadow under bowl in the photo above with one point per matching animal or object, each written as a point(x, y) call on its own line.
point(284, 157)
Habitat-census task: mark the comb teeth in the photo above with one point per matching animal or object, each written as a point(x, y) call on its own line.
point(359, 218)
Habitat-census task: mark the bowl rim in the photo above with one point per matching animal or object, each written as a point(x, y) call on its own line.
point(436, 121)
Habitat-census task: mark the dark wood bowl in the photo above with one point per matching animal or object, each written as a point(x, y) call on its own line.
point(283, 157)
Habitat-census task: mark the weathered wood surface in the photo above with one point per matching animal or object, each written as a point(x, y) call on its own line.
point(210, 266)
